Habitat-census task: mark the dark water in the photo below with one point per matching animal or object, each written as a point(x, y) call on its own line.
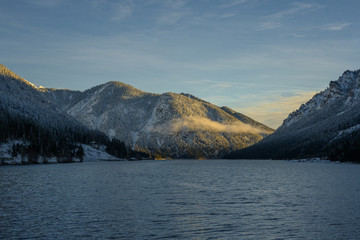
point(181, 199)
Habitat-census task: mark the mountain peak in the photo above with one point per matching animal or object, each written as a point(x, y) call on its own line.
point(7, 73)
point(344, 91)
point(124, 89)
point(349, 79)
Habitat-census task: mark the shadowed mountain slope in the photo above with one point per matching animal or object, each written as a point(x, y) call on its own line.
point(326, 126)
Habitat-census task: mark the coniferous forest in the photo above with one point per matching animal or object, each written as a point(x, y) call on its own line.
point(64, 142)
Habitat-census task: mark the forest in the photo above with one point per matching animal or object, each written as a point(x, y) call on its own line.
point(63, 142)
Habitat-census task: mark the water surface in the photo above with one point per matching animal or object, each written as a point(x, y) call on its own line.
point(184, 199)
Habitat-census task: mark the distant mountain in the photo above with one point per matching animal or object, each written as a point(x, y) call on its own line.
point(326, 126)
point(164, 125)
point(169, 124)
point(40, 129)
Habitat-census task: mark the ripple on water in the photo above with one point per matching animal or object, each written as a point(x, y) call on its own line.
point(180, 199)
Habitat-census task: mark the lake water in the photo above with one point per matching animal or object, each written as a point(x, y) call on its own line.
point(184, 199)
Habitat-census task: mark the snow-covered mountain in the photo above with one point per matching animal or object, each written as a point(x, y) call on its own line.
point(169, 124)
point(34, 129)
point(341, 96)
point(318, 127)
point(20, 97)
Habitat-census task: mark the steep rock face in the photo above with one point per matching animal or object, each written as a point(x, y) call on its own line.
point(169, 124)
point(318, 127)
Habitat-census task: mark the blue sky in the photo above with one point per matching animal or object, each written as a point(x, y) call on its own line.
point(260, 57)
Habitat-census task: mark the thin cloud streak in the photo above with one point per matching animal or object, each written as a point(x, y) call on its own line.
point(337, 26)
point(46, 3)
point(233, 3)
point(276, 20)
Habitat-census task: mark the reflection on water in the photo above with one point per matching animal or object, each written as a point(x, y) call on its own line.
point(181, 199)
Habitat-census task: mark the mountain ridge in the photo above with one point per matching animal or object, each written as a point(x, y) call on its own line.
point(168, 124)
point(324, 127)
point(148, 113)
point(36, 130)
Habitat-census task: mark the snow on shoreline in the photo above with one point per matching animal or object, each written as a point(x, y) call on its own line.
point(91, 154)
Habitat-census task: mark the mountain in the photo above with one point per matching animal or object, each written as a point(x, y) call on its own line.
point(327, 126)
point(167, 125)
point(164, 125)
point(38, 128)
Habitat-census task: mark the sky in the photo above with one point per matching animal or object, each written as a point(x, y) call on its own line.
point(263, 58)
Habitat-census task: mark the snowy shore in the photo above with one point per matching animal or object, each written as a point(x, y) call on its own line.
point(91, 154)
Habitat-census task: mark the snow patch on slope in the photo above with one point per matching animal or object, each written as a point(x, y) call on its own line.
point(92, 154)
point(345, 132)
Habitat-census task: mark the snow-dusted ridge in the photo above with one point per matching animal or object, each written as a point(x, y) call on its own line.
point(328, 125)
point(169, 124)
point(345, 90)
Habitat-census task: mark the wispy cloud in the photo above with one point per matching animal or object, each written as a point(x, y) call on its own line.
point(274, 109)
point(45, 3)
point(170, 18)
point(227, 15)
point(173, 11)
point(121, 11)
point(276, 20)
point(115, 11)
point(233, 3)
point(336, 26)
point(210, 84)
point(174, 4)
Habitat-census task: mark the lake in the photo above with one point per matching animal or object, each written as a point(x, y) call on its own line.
point(181, 199)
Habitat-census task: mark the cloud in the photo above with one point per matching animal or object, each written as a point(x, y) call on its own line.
point(276, 20)
point(115, 11)
point(233, 3)
point(206, 85)
point(172, 11)
point(174, 4)
point(227, 15)
point(170, 18)
point(336, 26)
point(192, 123)
point(45, 3)
point(273, 110)
point(121, 11)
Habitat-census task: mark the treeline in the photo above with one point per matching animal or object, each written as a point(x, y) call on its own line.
point(63, 142)
point(317, 135)
point(347, 149)
point(344, 149)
